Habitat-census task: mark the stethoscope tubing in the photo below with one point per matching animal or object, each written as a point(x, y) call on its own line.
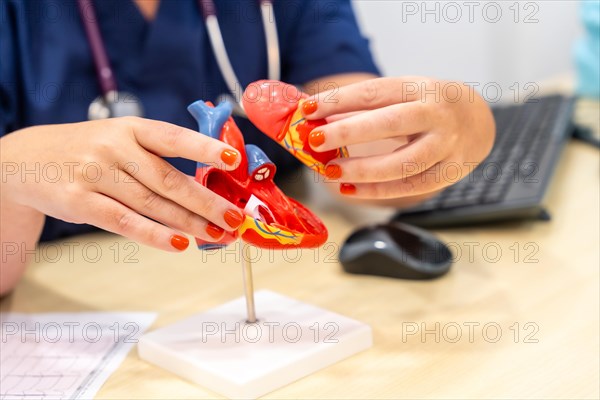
point(105, 73)
point(271, 39)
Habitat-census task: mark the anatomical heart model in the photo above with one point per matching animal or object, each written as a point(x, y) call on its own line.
point(252, 368)
point(275, 108)
point(272, 220)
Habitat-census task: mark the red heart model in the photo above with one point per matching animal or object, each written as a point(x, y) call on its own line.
point(274, 107)
point(272, 219)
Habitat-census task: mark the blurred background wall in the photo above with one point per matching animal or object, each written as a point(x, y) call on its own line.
point(494, 43)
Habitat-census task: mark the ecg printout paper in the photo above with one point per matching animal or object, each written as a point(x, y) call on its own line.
point(64, 355)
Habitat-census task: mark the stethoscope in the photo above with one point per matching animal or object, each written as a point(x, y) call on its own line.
point(115, 103)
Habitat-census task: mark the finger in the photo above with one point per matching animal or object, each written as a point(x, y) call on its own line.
point(170, 140)
point(408, 160)
point(365, 95)
point(337, 117)
point(426, 182)
point(162, 178)
point(391, 121)
point(138, 197)
point(115, 217)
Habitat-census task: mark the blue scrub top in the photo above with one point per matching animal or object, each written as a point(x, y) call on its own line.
point(47, 74)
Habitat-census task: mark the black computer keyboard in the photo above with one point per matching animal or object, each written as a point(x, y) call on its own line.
point(512, 180)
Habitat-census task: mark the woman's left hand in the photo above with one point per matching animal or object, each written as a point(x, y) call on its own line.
point(449, 130)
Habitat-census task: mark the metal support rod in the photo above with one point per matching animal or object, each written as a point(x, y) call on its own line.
point(248, 282)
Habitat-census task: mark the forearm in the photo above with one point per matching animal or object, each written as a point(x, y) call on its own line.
point(20, 229)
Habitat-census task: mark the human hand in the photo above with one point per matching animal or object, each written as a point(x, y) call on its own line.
point(110, 174)
point(449, 130)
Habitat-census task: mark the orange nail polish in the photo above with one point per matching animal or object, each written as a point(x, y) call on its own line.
point(179, 242)
point(333, 171)
point(233, 218)
point(309, 107)
point(316, 138)
point(229, 156)
point(347, 188)
point(214, 231)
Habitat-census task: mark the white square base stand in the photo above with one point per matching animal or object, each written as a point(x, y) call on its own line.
point(217, 349)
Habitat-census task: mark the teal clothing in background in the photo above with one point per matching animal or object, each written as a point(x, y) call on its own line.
point(587, 51)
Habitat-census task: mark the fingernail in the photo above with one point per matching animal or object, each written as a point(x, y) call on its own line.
point(214, 231)
point(179, 242)
point(316, 138)
point(347, 188)
point(309, 107)
point(229, 156)
point(333, 171)
point(233, 218)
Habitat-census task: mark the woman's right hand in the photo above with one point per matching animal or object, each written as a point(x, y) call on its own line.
point(110, 174)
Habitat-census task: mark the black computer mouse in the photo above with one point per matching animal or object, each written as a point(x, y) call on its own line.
point(395, 250)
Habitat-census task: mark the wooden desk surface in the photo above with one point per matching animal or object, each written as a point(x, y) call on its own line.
point(540, 304)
